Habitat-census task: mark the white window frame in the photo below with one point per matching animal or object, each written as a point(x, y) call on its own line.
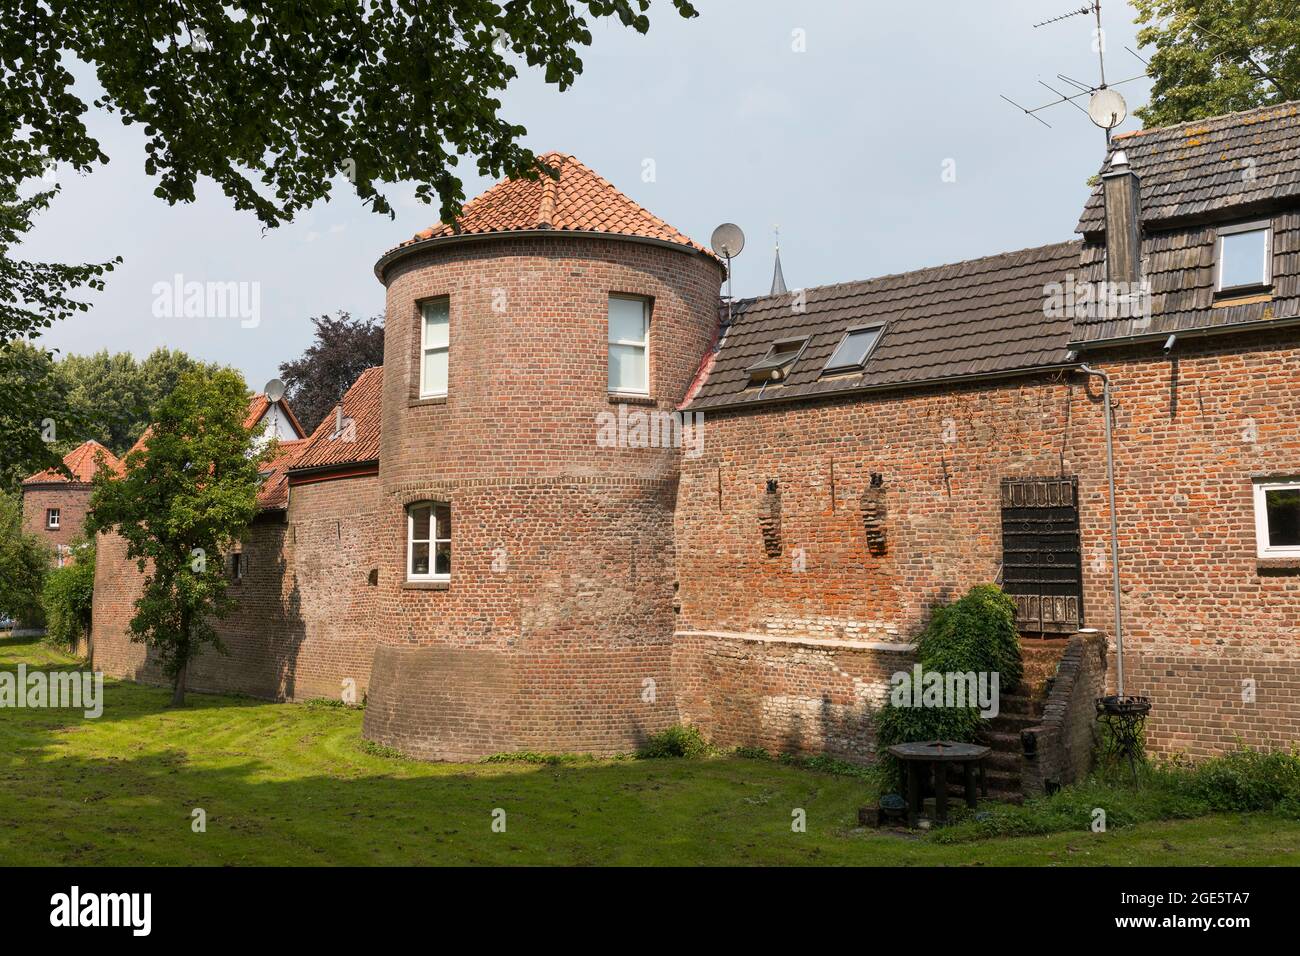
point(53, 519)
point(1266, 227)
point(1263, 548)
point(643, 343)
point(433, 540)
point(425, 349)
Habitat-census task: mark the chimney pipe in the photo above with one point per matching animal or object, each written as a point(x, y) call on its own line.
point(338, 419)
point(1121, 190)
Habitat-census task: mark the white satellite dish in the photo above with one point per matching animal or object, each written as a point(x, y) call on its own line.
point(727, 240)
point(274, 390)
point(1107, 108)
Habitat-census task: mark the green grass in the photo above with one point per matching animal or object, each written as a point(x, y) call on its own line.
point(291, 784)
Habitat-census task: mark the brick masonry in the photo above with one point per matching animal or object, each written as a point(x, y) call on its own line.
point(71, 498)
point(1064, 742)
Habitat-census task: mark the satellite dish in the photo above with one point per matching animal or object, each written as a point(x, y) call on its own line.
point(274, 390)
point(1107, 108)
point(727, 240)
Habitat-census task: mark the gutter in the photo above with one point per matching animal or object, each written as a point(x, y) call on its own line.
point(1257, 326)
point(353, 469)
point(890, 387)
point(439, 242)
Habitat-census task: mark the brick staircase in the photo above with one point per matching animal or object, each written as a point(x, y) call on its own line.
point(1020, 707)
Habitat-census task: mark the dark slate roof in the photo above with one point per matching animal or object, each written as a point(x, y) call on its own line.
point(975, 318)
point(1179, 264)
point(1208, 168)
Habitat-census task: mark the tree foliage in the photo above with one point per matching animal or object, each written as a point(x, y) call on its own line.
point(187, 496)
point(24, 559)
point(1218, 56)
point(68, 596)
point(343, 348)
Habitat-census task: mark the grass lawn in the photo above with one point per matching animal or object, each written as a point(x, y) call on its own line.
point(294, 784)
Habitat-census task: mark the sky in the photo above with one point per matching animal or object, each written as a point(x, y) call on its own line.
point(873, 133)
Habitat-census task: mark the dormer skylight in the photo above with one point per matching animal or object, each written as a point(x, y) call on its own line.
point(776, 365)
point(854, 349)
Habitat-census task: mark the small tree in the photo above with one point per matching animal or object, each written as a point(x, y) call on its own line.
point(344, 347)
point(69, 596)
point(23, 563)
point(185, 498)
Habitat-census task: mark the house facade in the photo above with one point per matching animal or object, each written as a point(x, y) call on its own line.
point(585, 498)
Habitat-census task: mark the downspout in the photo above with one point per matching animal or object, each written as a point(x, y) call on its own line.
point(1114, 525)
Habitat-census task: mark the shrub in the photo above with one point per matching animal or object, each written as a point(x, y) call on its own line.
point(24, 560)
point(68, 597)
point(1241, 781)
point(679, 740)
point(977, 633)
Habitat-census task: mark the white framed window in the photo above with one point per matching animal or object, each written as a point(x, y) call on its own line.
point(428, 542)
point(435, 346)
point(1277, 518)
point(52, 518)
point(237, 566)
point(1244, 256)
point(629, 345)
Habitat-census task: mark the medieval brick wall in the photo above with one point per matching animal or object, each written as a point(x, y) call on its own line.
point(302, 623)
point(555, 630)
point(1064, 742)
point(73, 501)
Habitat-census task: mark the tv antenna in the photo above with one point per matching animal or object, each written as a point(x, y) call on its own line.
point(1106, 107)
point(728, 240)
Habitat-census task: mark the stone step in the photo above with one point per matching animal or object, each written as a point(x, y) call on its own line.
point(1005, 723)
point(1019, 704)
point(1003, 741)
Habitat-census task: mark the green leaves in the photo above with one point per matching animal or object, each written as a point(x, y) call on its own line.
point(185, 499)
point(1218, 56)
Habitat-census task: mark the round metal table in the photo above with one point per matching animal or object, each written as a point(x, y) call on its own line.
point(921, 756)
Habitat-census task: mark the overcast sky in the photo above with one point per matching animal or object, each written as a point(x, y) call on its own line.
point(834, 119)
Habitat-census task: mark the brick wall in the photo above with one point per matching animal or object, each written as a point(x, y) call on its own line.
point(555, 632)
point(71, 498)
point(303, 620)
point(1064, 743)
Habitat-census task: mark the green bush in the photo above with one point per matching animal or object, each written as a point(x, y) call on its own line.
point(68, 597)
point(977, 633)
point(24, 561)
point(1241, 781)
point(679, 740)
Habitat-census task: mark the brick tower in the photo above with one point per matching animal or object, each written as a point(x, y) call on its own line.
point(534, 354)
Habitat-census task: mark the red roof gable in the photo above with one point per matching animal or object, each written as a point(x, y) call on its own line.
point(83, 461)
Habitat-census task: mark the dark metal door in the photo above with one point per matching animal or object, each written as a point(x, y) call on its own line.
point(1042, 568)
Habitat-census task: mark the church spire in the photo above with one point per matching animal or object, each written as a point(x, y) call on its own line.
point(778, 278)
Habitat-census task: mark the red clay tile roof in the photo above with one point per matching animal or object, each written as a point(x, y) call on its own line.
point(359, 441)
point(580, 201)
point(83, 461)
point(274, 493)
point(257, 407)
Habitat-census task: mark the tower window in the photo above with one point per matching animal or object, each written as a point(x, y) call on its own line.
point(435, 346)
point(52, 518)
point(629, 345)
point(428, 542)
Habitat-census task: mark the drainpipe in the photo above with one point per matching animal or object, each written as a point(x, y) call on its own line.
point(1114, 525)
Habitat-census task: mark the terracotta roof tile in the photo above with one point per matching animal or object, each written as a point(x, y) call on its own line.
point(359, 442)
point(581, 200)
point(274, 493)
point(83, 461)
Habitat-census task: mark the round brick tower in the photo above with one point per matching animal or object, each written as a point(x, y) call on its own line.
point(534, 357)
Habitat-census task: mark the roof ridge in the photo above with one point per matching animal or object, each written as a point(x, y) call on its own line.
point(1294, 106)
point(917, 272)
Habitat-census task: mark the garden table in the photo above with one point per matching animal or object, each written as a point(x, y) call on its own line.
point(922, 755)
